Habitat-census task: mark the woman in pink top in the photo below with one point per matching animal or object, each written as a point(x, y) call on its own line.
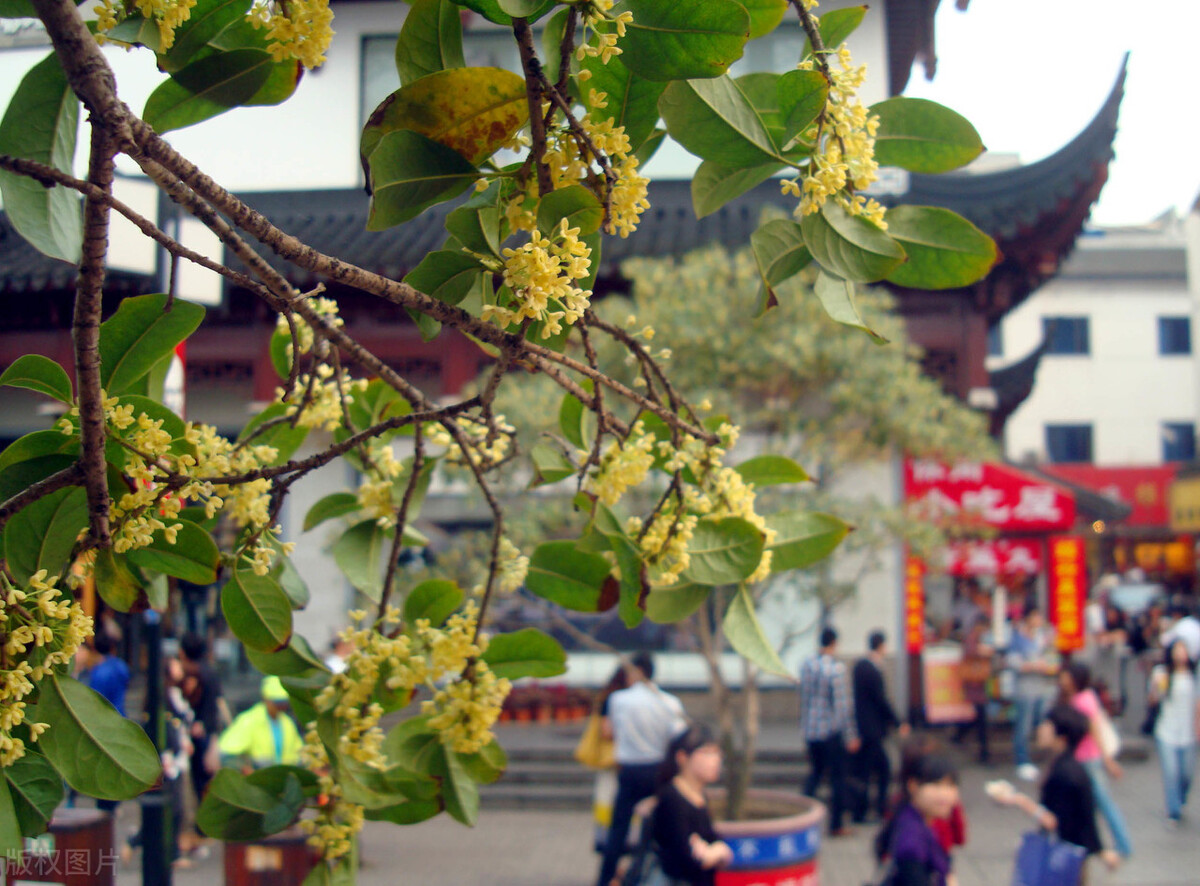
point(1075, 680)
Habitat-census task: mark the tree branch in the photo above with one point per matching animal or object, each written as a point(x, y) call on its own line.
point(72, 475)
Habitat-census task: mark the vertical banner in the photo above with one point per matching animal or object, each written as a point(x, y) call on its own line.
point(914, 604)
point(1068, 590)
point(174, 391)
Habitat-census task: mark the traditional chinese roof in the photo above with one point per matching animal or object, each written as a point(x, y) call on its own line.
point(1012, 384)
point(910, 38)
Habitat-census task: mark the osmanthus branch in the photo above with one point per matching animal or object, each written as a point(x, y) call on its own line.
point(85, 329)
point(72, 475)
point(809, 23)
point(601, 425)
point(534, 88)
point(643, 355)
point(565, 51)
point(410, 488)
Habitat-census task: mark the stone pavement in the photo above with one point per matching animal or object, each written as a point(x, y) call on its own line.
point(553, 848)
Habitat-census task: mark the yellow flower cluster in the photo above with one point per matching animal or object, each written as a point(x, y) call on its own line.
point(326, 307)
point(167, 14)
point(664, 544)
point(542, 275)
point(464, 711)
point(845, 153)
point(40, 630)
point(298, 29)
point(481, 452)
point(511, 567)
point(324, 389)
point(608, 28)
point(622, 466)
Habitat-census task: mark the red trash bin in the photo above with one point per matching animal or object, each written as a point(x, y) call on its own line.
point(76, 851)
point(282, 859)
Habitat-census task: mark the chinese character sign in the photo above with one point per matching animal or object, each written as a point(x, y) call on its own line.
point(1002, 556)
point(1068, 590)
point(914, 604)
point(995, 495)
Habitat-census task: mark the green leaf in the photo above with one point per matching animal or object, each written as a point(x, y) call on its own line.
point(282, 436)
point(258, 611)
point(297, 660)
point(488, 764)
point(771, 470)
point(139, 335)
point(631, 101)
point(235, 808)
point(525, 653)
point(459, 790)
point(574, 579)
point(279, 350)
point(41, 535)
point(336, 504)
point(207, 87)
point(650, 146)
point(282, 79)
point(576, 422)
point(803, 538)
point(37, 445)
point(36, 789)
point(430, 40)
point(521, 8)
point(945, 251)
point(289, 578)
point(779, 251)
point(41, 124)
point(114, 582)
point(207, 20)
point(21, 474)
point(471, 111)
point(635, 583)
point(96, 750)
point(765, 15)
point(836, 26)
point(446, 275)
point(359, 554)
point(714, 120)
point(837, 297)
point(138, 30)
point(344, 872)
point(745, 634)
point(575, 204)
point(714, 185)
point(11, 842)
point(723, 551)
point(409, 173)
point(476, 227)
point(193, 557)
point(378, 789)
point(802, 96)
point(923, 136)
point(434, 600)
point(38, 373)
point(492, 10)
point(849, 245)
point(683, 39)
point(676, 602)
point(17, 9)
point(549, 464)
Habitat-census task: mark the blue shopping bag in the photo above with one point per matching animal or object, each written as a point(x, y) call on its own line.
point(1044, 860)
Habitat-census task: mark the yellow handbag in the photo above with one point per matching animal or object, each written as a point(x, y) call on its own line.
point(594, 750)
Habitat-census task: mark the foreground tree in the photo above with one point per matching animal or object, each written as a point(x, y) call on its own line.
point(126, 491)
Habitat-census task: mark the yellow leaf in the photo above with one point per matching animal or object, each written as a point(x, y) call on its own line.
point(473, 111)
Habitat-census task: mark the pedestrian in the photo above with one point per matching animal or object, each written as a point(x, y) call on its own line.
point(1075, 682)
point(264, 735)
point(1034, 659)
point(641, 720)
point(1067, 805)
point(975, 671)
point(108, 675)
point(875, 718)
point(689, 850)
point(1173, 688)
point(1185, 627)
point(906, 843)
point(201, 688)
point(827, 724)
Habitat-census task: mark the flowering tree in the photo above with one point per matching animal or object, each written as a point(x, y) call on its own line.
point(124, 489)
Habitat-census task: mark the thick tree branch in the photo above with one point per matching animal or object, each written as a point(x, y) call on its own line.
point(72, 475)
point(534, 81)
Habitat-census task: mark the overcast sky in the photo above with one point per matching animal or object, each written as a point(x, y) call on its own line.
point(1030, 74)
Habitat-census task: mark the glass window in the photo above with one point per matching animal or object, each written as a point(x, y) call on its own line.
point(1066, 335)
point(1179, 441)
point(1174, 335)
point(1069, 443)
point(995, 340)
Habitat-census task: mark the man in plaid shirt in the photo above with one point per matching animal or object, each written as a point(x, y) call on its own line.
point(827, 724)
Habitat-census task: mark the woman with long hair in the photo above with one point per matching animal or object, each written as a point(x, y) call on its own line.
point(689, 850)
point(1173, 689)
point(907, 841)
point(1075, 681)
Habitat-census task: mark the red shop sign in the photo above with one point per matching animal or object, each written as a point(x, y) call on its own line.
point(914, 604)
point(1002, 556)
point(993, 494)
point(1068, 590)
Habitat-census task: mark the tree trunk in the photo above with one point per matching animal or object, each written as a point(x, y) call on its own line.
point(742, 768)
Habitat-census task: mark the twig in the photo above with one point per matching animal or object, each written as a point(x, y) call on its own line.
point(389, 579)
point(72, 475)
point(534, 81)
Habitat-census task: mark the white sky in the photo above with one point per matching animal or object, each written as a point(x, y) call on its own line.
point(1030, 74)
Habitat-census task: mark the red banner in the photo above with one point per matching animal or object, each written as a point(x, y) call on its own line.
point(1142, 488)
point(1068, 590)
point(1002, 556)
point(990, 494)
point(914, 604)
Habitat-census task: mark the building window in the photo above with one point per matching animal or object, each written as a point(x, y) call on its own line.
point(1174, 335)
point(995, 340)
point(1179, 441)
point(1068, 443)
point(1066, 335)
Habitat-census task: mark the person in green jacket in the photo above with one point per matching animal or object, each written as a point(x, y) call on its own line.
point(265, 734)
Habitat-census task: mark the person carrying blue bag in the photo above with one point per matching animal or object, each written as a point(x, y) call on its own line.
point(1056, 854)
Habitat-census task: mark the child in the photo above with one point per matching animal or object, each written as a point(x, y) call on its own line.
point(928, 792)
point(1067, 805)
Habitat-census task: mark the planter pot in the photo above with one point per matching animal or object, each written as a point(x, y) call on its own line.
point(776, 844)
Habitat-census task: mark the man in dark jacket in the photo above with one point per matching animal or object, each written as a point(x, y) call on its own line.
point(876, 718)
